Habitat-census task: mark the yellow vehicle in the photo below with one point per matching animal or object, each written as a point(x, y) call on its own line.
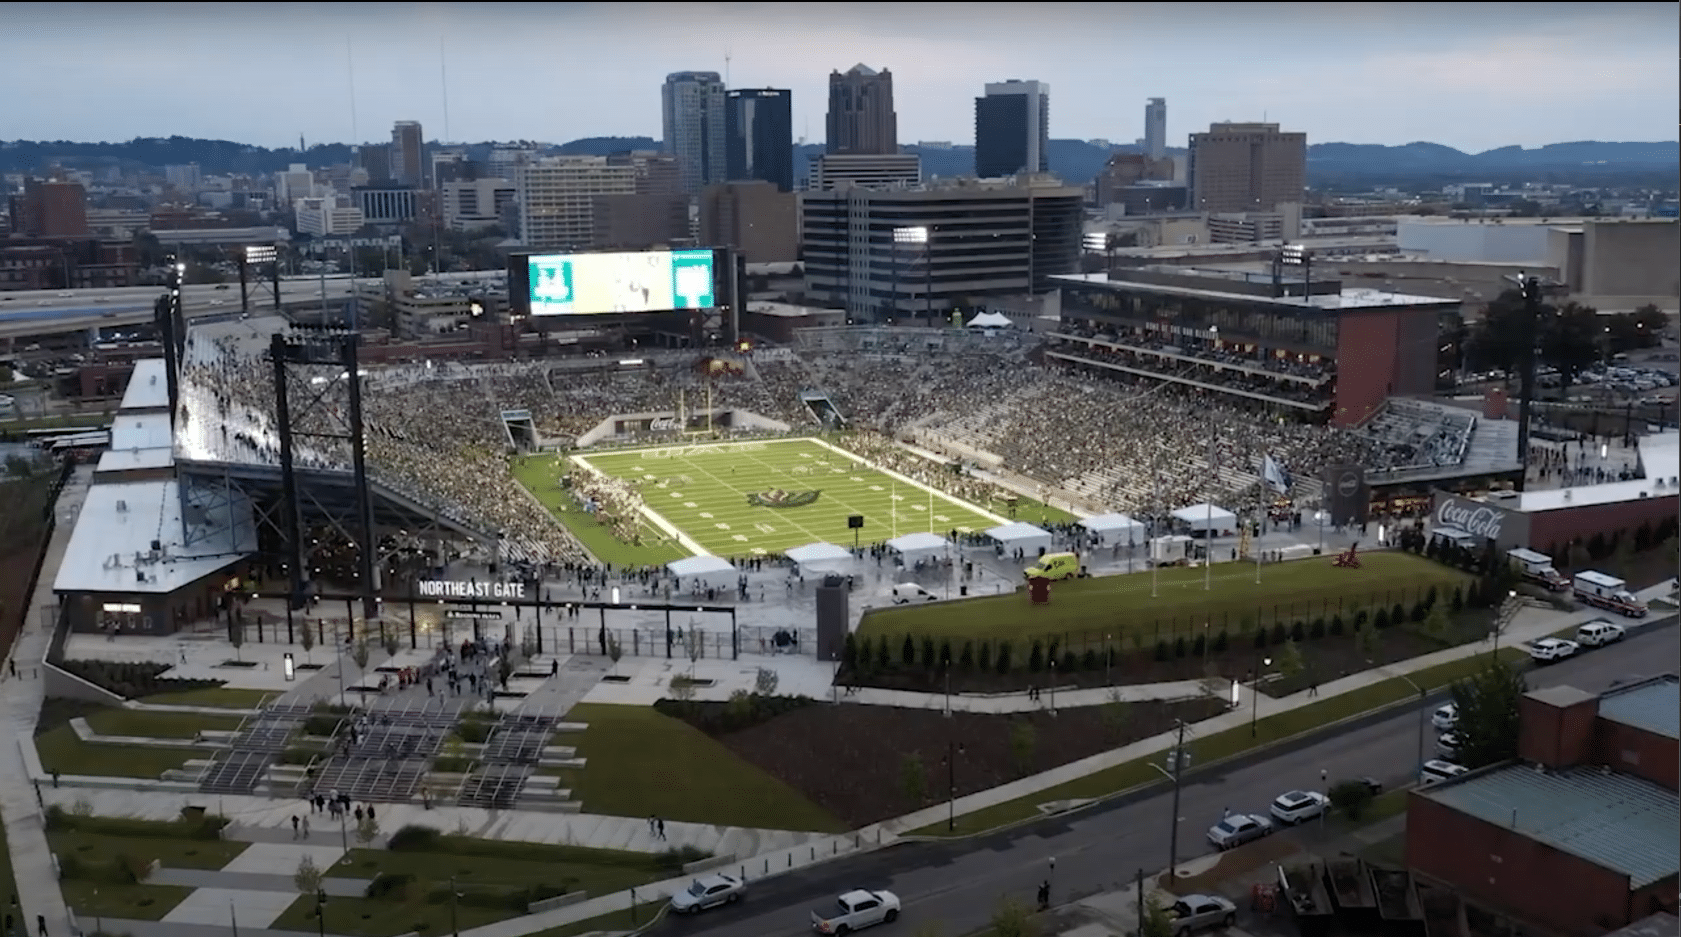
point(1055, 566)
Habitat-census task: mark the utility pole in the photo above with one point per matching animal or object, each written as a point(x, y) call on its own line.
point(1178, 771)
point(1533, 290)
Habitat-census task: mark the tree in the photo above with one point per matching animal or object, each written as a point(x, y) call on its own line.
point(1488, 703)
point(236, 637)
point(913, 779)
point(368, 829)
point(765, 682)
point(1351, 797)
point(1366, 640)
point(694, 645)
point(1023, 739)
point(359, 654)
point(1290, 661)
point(1570, 341)
point(615, 650)
point(307, 878)
point(1115, 714)
point(681, 688)
point(849, 653)
point(391, 644)
point(1436, 621)
point(1011, 918)
point(307, 639)
point(1496, 342)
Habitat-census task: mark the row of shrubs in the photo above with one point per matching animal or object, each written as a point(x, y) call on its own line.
point(398, 886)
point(120, 869)
point(132, 679)
point(193, 824)
point(417, 838)
point(744, 710)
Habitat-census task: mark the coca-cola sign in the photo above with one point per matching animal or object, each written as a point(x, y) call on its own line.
point(1478, 520)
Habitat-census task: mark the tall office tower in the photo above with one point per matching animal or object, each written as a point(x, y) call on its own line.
point(408, 159)
point(556, 199)
point(692, 120)
point(375, 160)
point(50, 209)
point(1155, 128)
point(759, 136)
point(861, 117)
point(1012, 129)
point(1246, 167)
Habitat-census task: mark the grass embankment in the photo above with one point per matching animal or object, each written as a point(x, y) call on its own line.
point(142, 724)
point(640, 763)
point(104, 861)
point(1220, 745)
point(215, 698)
point(1123, 605)
point(62, 752)
point(540, 474)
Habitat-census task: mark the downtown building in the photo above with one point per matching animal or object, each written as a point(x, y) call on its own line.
point(1012, 129)
point(1155, 129)
point(861, 119)
point(556, 199)
point(893, 254)
point(408, 153)
point(692, 122)
point(759, 136)
point(1247, 167)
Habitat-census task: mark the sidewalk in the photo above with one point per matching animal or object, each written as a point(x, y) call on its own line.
point(20, 701)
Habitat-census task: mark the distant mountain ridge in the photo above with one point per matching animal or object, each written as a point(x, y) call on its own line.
point(1075, 161)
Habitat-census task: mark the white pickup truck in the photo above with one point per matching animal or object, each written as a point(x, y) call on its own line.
point(856, 910)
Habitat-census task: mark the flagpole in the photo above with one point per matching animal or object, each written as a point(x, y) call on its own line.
point(1208, 524)
point(1260, 514)
point(1155, 483)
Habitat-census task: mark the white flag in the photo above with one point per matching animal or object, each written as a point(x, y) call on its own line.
point(1274, 475)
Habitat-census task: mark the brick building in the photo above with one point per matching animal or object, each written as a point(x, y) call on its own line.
point(1577, 837)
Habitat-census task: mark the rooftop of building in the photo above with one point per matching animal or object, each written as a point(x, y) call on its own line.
point(1662, 924)
point(1507, 221)
point(1616, 821)
point(148, 387)
point(130, 431)
point(1347, 299)
point(1652, 705)
point(131, 537)
point(1660, 460)
point(789, 310)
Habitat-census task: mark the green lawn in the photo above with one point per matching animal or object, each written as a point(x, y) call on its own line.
point(225, 697)
point(1298, 590)
point(211, 854)
point(1220, 745)
point(641, 763)
point(139, 722)
point(703, 491)
point(62, 751)
point(135, 902)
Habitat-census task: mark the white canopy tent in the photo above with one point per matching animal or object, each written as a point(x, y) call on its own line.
point(1021, 536)
point(913, 547)
point(710, 571)
point(818, 558)
point(1115, 530)
point(991, 320)
point(1201, 518)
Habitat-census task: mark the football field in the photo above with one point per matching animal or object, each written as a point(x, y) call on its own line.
point(760, 498)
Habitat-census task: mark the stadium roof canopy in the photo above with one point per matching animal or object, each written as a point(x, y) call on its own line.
point(991, 320)
point(822, 558)
point(129, 538)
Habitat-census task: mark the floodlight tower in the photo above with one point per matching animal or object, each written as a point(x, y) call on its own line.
point(259, 256)
point(1534, 290)
point(171, 324)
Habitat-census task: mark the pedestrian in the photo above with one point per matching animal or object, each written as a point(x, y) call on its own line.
point(651, 830)
point(295, 822)
point(1225, 812)
point(41, 923)
point(12, 665)
point(369, 811)
point(358, 814)
point(1313, 688)
point(662, 828)
point(306, 828)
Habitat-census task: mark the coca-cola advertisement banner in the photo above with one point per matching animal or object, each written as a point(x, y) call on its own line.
point(1483, 519)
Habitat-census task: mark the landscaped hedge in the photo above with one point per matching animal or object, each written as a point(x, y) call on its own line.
point(133, 679)
point(191, 825)
point(742, 711)
point(417, 838)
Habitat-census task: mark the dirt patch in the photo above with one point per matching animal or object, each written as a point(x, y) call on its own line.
point(855, 760)
point(1239, 866)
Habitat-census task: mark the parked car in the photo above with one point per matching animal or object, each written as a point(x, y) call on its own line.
point(1599, 633)
point(856, 910)
point(1197, 912)
point(708, 892)
point(1237, 829)
point(1551, 650)
point(1446, 718)
point(1295, 806)
point(1436, 771)
point(1447, 745)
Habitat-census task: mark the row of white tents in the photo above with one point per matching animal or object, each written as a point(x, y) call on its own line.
point(816, 559)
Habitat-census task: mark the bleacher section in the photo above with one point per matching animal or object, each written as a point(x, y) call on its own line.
point(1417, 437)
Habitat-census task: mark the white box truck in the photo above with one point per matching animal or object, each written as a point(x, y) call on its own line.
point(1172, 550)
point(1607, 592)
point(1537, 568)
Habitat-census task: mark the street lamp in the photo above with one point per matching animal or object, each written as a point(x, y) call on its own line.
point(321, 912)
point(919, 234)
point(953, 749)
point(1255, 697)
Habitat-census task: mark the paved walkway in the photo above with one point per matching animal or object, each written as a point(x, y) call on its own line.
point(20, 704)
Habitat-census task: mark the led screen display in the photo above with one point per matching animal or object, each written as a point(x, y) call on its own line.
point(645, 281)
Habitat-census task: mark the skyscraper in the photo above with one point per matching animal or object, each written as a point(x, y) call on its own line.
point(408, 157)
point(1155, 128)
point(1012, 128)
point(1246, 167)
point(759, 136)
point(861, 116)
point(692, 121)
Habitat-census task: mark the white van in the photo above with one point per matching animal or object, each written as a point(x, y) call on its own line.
point(1435, 772)
point(906, 592)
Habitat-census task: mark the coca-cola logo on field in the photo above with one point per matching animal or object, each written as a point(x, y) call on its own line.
point(1478, 520)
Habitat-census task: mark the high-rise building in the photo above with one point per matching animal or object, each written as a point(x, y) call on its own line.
point(692, 123)
point(1246, 167)
point(295, 183)
point(898, 254)
point(50, 210)
point(375, 160)
point(861, 116)
point(556, 199)
point(759, 136)
point(1013, 128)
point(760, 222)
point(656, 173)
point(869, 171)
point(1155, 128)
point(408, 153)
point(476, 204)
point(182, 176)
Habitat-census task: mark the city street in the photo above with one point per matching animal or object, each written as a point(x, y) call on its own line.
point(957, 885)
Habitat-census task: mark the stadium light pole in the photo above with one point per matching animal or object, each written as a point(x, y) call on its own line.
point(918, 234)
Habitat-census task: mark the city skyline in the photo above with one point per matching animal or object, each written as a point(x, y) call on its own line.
point(1470, 76)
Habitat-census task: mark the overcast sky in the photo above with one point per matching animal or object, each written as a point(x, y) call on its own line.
point(1472, 76)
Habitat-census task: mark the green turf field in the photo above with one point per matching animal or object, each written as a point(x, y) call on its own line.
point(1297, 590)
point(703, 491)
